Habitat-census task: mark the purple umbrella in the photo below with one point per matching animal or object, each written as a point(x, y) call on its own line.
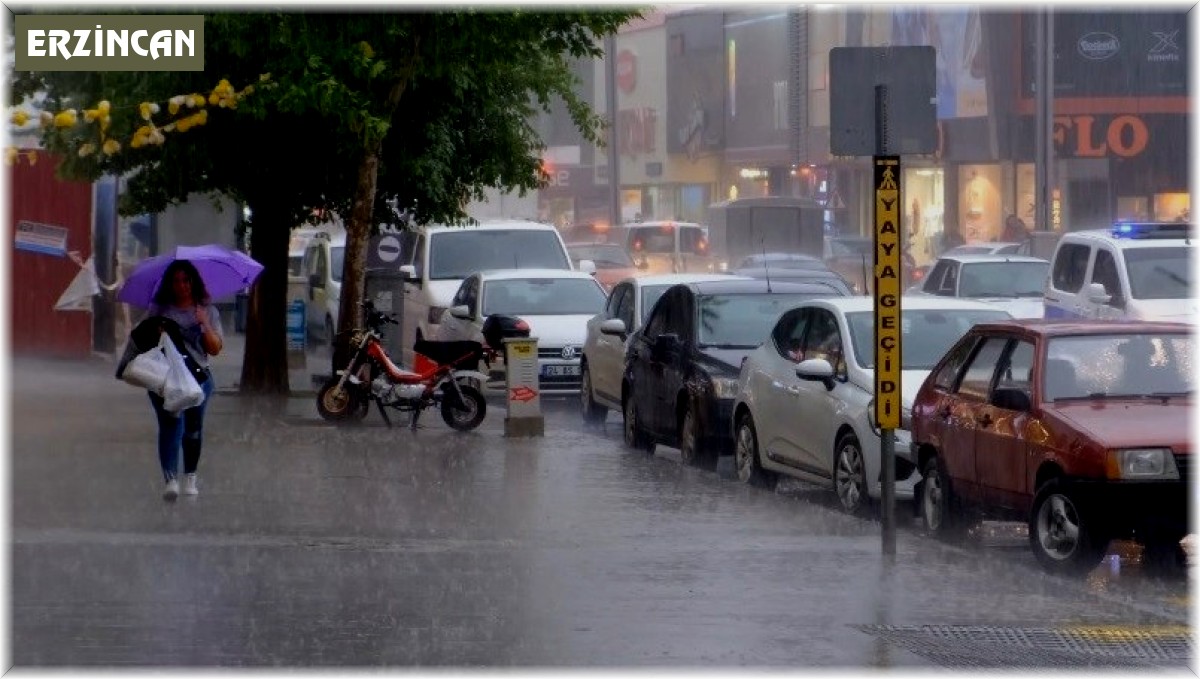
point(224, 272)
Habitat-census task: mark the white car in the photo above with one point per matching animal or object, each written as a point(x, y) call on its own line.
point(1011, 282)
point(607, 337)
point(1134, 272)
point(555, 303)
point(805, 405)
point(987, 248)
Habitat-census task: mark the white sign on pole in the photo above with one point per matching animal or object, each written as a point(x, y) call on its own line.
point(42, 238)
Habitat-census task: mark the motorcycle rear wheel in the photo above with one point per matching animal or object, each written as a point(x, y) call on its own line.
point(336, 405)
point(469, 414)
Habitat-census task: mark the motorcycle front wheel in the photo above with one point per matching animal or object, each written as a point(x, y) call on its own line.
point(466, 414)
point(340, 405)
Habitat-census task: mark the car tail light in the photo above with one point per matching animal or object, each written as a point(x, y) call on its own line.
point(637, 244)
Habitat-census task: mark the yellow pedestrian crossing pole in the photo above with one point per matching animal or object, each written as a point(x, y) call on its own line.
point(887, 332)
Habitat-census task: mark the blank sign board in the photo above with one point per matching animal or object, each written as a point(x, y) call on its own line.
point(910, 76)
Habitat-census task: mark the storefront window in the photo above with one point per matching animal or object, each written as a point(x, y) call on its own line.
point(924, 195)
point(1172, 207)
point(979, 205)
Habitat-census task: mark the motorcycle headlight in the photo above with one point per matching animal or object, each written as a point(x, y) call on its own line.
point(435, 314)
point(725, 387)
point(1141, 463)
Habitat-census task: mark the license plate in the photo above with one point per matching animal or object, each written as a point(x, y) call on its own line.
point(560, 371)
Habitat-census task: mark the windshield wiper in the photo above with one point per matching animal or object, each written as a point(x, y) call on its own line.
point(1172, 275)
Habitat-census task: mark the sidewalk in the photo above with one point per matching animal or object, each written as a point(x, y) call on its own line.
point(227, 367)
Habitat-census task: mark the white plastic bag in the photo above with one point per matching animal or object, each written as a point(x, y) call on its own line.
point(149, 369)
point(180, 391)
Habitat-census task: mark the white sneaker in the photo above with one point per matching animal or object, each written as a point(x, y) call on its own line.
point(189, 485)
point(171, 491)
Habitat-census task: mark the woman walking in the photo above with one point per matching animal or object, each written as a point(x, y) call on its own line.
point(183, 299)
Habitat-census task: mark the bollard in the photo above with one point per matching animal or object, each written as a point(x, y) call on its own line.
point(522, 394)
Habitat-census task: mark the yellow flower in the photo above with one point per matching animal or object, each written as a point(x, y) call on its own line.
point(366, 49)
point(46, 118)
point(65, 118)
point(173, 107)
point(264, 77)
point(87, 150)
point(111, 146)
point(144, 109)
point(201, 117)
point(104, 123)
point(32, 157)
point(19, 118)
point(157, 138)
point(213, 98)
point(10, 155)
point(197, 100)
point(104, 106)
point(91, 114)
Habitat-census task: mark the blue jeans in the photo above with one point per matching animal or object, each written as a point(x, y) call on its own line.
point(183, 432)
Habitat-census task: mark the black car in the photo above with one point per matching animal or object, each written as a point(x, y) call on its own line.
point(813, 276)
point(681, 367)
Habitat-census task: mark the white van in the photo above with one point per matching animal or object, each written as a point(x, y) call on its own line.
point(436, 259)
point(324, 260)
point(1135, 271)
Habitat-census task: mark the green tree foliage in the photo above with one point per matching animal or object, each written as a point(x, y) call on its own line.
point(373, 116)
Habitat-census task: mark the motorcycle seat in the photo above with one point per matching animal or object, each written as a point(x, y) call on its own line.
point(450, 353)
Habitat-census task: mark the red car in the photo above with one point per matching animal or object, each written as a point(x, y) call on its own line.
point(1081, 429)
point(613, 263)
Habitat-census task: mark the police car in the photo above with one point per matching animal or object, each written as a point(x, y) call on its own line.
point(1134, 271)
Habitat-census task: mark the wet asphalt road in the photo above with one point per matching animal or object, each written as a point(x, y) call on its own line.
point(312, 545)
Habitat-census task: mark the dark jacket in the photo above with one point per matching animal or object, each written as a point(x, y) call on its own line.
point(144, 337)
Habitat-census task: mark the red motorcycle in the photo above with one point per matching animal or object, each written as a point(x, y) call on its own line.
point(370, 376)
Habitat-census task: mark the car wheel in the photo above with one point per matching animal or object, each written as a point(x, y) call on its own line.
point(691, 449)
point(634, 436)
point(746, 460)
point(1060, 531)
point(593, 413)
point(938, 514)
point(849, 474)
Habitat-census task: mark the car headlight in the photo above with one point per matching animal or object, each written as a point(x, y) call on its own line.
point(1141, 463)
point(725, 387)
point(435, 314)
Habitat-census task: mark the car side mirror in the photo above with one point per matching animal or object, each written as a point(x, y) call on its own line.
point(314, 280)
point(816, 370)
point(1096, 294)
point(462, 311)
point(587, 266)
point(1011, 398)
point(408, 272)
point(613, 326)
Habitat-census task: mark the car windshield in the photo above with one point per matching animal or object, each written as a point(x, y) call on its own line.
point(781, 260)
point(851, 246)
point(1002, 279)
point(742, 321)
point(925, 334)
point(1111, 366)
point(455, 255)
point(1159, 273)
point(337, 255)
point(605, 256)
point(543, 297)
point(969, 250)
point(650, 295)
point(652, 239)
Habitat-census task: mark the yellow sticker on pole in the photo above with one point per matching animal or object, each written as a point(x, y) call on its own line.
point(521, 349)
point(887, 292)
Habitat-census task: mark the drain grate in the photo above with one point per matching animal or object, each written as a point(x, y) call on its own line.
point(1018, 647)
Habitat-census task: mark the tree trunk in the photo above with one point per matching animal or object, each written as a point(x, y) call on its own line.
point(357, 233)
point(264, 363)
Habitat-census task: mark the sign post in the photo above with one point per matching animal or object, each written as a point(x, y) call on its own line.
point(887, 332)
point(902, 83)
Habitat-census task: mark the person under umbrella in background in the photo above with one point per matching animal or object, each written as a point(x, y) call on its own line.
point(183, 299)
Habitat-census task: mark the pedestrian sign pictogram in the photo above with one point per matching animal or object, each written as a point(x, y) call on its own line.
point(887, 292)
